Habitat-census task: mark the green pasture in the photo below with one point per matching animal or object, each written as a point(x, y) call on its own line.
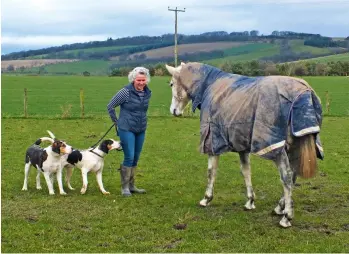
point(52, 96)
point(298, 46)
point(94, 67)
point(174, 174)
point(332, 58)
point(247, 53)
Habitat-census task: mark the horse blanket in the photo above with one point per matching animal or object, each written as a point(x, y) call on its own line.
point(239, 113)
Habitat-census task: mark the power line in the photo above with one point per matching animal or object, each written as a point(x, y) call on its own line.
point(175, 36)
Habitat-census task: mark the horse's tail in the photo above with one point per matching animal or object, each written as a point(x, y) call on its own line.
point(302, 155)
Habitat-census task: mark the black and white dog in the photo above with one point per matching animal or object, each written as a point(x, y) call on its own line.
point(88, 160)
point(47, 161)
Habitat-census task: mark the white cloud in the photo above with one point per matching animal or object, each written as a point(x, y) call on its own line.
point(50, 40)
point(56, 22)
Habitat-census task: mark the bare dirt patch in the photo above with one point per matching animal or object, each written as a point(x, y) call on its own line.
point(33, 63)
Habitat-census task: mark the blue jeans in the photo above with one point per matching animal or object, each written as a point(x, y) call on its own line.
point(132, 144)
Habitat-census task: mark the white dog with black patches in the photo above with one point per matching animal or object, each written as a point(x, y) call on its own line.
point(88, 160)
point(47, 161)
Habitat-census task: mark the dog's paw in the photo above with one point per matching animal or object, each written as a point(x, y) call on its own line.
point(63, 193)
point(106, 192)
point(51, 193)
point(38, 188)
point(83, 191)
point(71, 188)
point(24, 189)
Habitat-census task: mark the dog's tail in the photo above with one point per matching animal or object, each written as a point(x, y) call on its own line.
point(43, 139)
point(51, 135)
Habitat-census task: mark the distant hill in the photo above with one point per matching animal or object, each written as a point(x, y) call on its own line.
point(99, 58)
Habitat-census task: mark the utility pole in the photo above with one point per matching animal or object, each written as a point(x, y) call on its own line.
point(175, 37)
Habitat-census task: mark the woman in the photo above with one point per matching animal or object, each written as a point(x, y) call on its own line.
point(133, 100)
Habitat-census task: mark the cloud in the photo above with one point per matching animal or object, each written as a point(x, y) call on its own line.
point(56, 22)
point(50, 40)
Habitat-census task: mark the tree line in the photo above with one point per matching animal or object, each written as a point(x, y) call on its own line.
point(249, 68)
point(258, 68)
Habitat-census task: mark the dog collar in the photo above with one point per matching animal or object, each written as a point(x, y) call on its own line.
point(96, 153)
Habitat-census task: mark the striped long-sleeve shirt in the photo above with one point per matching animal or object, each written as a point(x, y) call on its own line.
point(118, 99)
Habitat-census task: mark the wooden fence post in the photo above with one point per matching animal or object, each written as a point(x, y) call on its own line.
point(25, 103)
point(82, 103)
point(328, 101)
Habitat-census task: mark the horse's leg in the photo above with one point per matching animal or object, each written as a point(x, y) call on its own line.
point(211, 175)
point(245, 168)
point(286, 175)
point(279, 209)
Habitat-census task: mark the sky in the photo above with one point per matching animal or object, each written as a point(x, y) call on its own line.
point(35, 24)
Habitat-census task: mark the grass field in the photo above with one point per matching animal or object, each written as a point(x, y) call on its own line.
point(249, 53)
point(298, 46)
point(65, 92)
point(174, 174)
point(332, 58)
point(95, 67)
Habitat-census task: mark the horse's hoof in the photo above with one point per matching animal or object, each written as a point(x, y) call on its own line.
point(285, 223)
point(204, 203)
point(249, 206)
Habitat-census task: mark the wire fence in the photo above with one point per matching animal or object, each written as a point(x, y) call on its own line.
point(78, 106)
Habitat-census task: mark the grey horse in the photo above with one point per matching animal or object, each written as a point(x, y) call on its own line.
point(275, 117)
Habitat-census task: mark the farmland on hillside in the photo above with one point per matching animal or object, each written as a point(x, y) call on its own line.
point(33, 63)
point(224, 51)
point(95, 67)
point(188, 48)
point(298, 46)
point(87, 50)
point(251, 52)
point(332, 58)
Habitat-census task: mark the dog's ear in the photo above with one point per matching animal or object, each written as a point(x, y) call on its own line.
point(109, 144)
point(56, 146)
point(104, 146)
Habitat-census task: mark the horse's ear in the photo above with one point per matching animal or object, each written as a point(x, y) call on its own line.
point(170, 69)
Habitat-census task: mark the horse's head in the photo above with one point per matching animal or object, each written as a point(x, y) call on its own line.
point(180, 96)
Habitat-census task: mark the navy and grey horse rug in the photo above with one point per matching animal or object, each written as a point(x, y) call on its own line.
point(252, 114)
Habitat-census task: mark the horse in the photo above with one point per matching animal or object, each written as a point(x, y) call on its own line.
point(274, 117)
